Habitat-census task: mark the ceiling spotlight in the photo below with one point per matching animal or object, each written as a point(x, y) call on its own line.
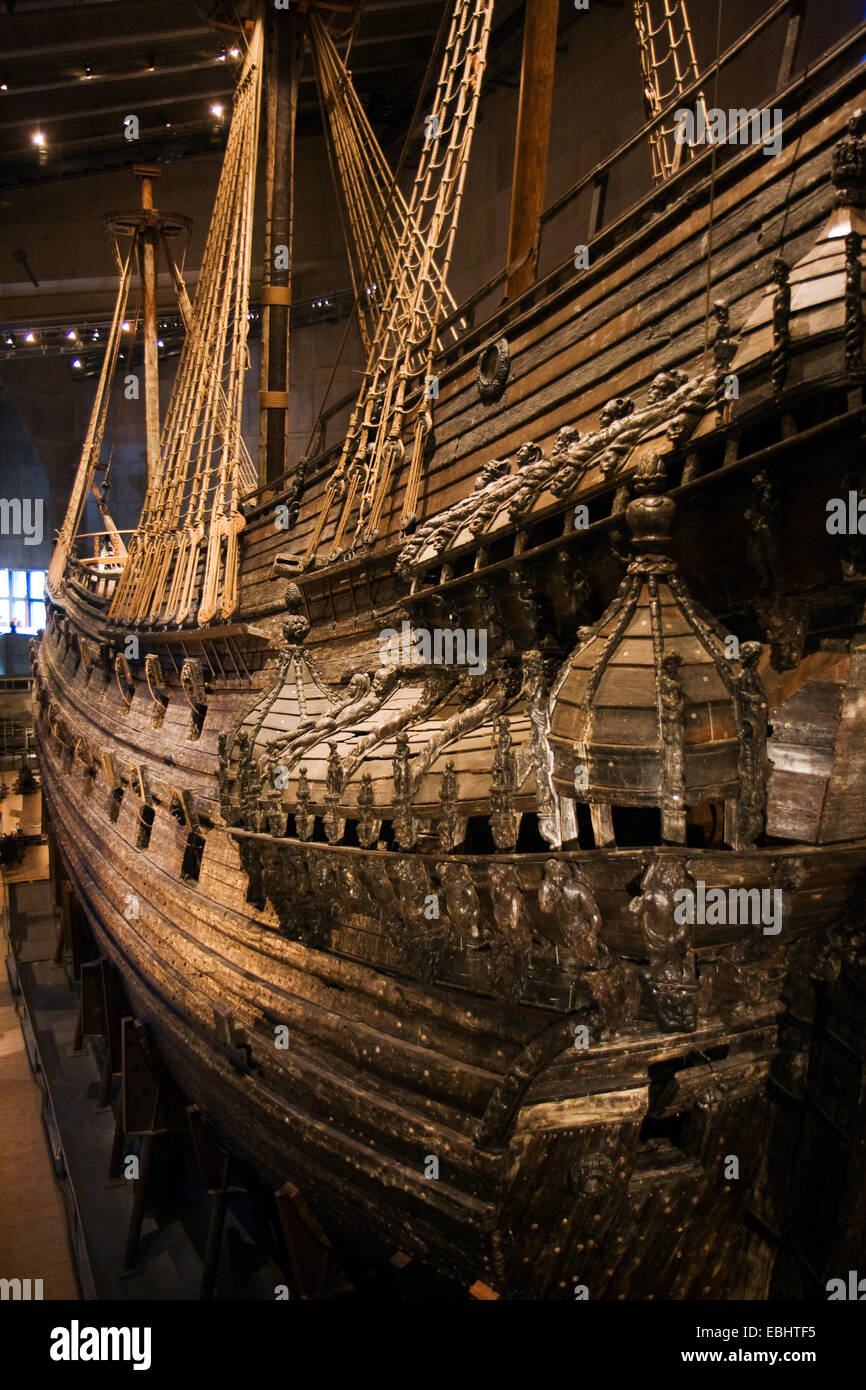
point(30, 337)
point(160, 343)
point(72, 335)
point(166, 122)
point(38, 138)
point(234, 52)
point(10, 341)
point(221, 56)
point(88, 72)
point(217, 109)
point(151, 61)
point(76, 361)
point(124, 327)
point(4, 86)
point(96, 335)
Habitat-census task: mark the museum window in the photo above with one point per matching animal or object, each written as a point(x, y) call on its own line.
point(22, 600)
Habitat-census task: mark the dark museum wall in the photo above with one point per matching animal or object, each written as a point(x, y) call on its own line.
point(23, 474)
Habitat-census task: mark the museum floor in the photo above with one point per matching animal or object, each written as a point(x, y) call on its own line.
point(33, 1230)
point(60, 1217)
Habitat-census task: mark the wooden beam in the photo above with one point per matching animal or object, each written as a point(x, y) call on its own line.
point(793, 34)
point(148, 250)
point(287, 53)
point(531, 144)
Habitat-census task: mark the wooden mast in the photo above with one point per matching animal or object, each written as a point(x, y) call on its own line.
point(531, 145)
point(148, 252)
point(286, 51)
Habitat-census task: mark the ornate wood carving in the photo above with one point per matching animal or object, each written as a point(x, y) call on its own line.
point(493, 1127)
point(671, 399)
point(753, 761)
point(405, 826)
point(849, 164)
point(724, 350)
point(591, 1176)
point(83, 754)
point(334, 823)
point(297, 889)
point(785, 623)
point(504, 815)
point(539, 754)
point(565, 894)
point(363, 696)
point(513, 942)
point(385, 900)
point(672, 717)
point(764, 545)
point(524, 587)
point(671, 970)
point(369, 824)
point(853, 306)
point(781, 357)
point(492, 371)
point(844, 942)
point(451, 828)
point(304, 819)
point(461, 900)
point(783, 618)
point(616, 988)
point(419, 938)
point(436, 687)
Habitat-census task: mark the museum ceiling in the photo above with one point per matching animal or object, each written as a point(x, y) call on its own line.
point(70, 73)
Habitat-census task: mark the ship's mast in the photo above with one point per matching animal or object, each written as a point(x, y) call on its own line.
point(285, 57)
point(531, 145)
point(148, 252)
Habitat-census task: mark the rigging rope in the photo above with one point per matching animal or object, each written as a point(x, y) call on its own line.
point(405, 342)
point(435, 57)
point(372, 208)
point(184, 554)
point(665, 63)
point(92, 448)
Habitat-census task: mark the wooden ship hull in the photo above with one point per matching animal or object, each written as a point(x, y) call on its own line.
point(505, 1057)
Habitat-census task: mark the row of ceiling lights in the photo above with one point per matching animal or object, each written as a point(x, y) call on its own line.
point(73, 335)
point(39, 139)
point(75, 338)
point(88, 73)
point(88, 339)
point(45, 336)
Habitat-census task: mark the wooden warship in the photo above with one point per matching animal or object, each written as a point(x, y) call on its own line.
point(295, 801)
